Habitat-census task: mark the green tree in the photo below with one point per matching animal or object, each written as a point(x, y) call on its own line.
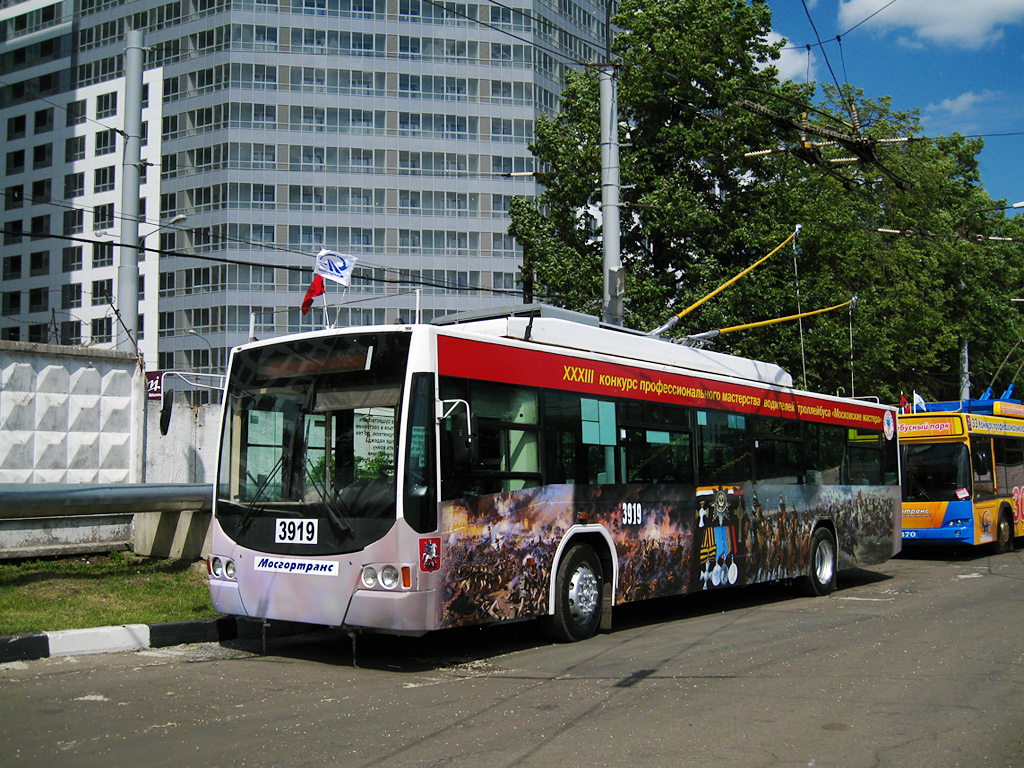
point(699, 104)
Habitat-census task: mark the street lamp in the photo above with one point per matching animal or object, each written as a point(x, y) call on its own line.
point(142, 240)
point(194, 332)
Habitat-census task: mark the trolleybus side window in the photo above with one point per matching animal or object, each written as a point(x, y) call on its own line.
point(724, 448)
point(420, 468)
point(869, 464)
point(1009, 453)
point(778, 451)
point(825, 451)
point(657, 444)
point(507, 436)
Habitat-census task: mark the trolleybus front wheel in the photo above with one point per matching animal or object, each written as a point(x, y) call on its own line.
point(1004, 532)
point(821, 570)
point(577, 596)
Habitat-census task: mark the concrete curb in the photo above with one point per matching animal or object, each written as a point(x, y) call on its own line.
point(136, 637)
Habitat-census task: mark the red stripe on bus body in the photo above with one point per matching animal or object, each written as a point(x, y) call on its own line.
point(465, 358)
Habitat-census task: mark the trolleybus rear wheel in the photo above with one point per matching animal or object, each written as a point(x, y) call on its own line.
point(821, 568)
point(577, 596)
point(1004, 532)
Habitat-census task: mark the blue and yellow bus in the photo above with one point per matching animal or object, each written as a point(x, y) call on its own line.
point(963, 473)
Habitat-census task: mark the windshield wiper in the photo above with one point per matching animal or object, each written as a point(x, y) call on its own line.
point(341, 525)
point(920, 488)
point(251, 510)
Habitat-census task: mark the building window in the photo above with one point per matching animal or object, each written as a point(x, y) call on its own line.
point(14, 197)
point(74, 221)
point(71, 332)
point(103, 216)
point(11, 334)
point(12, 267)
point(42, 156)
point(44, 120)
point(75, 113)
point(72, 258)
point(102, 330)
point(40, 226)
point(102, 292)
point(74, 185)
point(103, 179)
point(11, 302)
point(39, 264)
point(16, 127)
point(106, 105)
point(106, 142)
point(42, 190)
point(74, 149)
point(15, 161)
point(12, 234)
point(102, 255)
point(39, 299)
point(37, 333)
point(71, 296)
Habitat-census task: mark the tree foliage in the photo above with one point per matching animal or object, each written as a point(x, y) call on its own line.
point(701, 201)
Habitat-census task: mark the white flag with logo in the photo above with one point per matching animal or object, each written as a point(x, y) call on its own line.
point(335, 266)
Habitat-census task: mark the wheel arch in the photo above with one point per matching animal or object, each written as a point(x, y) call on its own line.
point(600, 541)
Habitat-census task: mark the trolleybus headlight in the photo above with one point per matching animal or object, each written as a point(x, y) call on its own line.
point(217, 567)
point(369, 577)
point(229, 569)
point(389, 577)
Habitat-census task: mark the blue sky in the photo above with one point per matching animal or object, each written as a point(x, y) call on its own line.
point(960, 63)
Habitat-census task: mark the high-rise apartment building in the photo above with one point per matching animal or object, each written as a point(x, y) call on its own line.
point(391, 130)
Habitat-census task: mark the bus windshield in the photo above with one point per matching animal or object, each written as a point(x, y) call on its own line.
point(936, 471)
point(310, 446)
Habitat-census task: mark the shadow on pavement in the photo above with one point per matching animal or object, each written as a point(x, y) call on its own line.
point(463, 646)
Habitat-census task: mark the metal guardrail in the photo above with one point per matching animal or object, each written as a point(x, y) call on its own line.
point(18, 501)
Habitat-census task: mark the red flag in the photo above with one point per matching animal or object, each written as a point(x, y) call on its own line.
point(903, 404)
point(315, 289)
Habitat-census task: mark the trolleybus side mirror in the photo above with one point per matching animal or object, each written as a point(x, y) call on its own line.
point(165, 411)
point(462, 432)
point(464, 442)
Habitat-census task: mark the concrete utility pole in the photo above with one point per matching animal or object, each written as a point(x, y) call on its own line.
point(128, 258)
point(613, 278)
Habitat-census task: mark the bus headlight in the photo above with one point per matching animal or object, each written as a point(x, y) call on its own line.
point(217, 567)
point(229, 569)
point(389, 577)
point(369, 577)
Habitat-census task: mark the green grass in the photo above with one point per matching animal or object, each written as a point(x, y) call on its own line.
point(99, 590)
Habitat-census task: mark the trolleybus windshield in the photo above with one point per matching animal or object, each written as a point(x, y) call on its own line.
point(310, 446)
point(936, 472)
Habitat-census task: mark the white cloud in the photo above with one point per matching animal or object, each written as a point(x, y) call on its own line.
point(792, 63)
point(964, 103)
point(963, 23)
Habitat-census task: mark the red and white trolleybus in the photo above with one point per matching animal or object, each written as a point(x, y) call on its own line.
point(530, 464)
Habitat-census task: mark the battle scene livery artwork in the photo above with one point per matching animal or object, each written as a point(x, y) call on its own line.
point(497, 550)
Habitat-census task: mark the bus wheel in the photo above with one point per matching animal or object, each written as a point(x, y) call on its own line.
point(821, 570)
point(577, 596)
point(1004, 533)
